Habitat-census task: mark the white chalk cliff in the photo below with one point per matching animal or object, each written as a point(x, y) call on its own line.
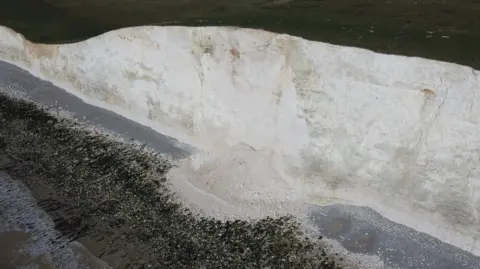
point(398, 134)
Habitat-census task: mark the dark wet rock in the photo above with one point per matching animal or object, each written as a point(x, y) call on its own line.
point(360, 243)
point(337, 226)
point(397, 245)
point(4, 160)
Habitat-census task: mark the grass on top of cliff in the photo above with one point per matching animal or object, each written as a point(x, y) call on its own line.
point(447, 30)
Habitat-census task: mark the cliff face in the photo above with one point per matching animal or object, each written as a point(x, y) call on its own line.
point(394, 133)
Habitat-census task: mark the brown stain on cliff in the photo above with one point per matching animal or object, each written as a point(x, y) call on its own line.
point(428, 93)
point(42, 50)
point(234, 53)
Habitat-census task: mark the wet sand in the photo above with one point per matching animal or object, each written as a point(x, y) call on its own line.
point(77, 179)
